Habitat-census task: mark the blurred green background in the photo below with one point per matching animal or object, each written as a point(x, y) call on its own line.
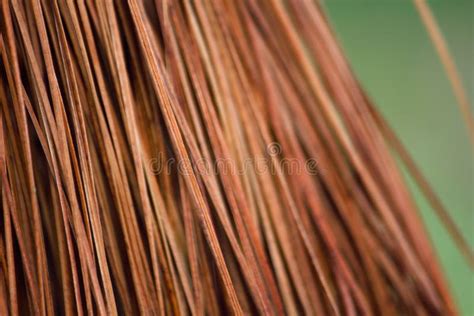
point(392, 55)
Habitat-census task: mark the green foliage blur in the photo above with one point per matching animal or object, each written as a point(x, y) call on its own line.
point(392, 55)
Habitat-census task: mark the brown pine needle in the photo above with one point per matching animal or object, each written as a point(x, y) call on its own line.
point(213, 157)
point(448, 63)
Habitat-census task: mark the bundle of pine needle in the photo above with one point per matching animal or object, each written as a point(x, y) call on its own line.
point(199, 157)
